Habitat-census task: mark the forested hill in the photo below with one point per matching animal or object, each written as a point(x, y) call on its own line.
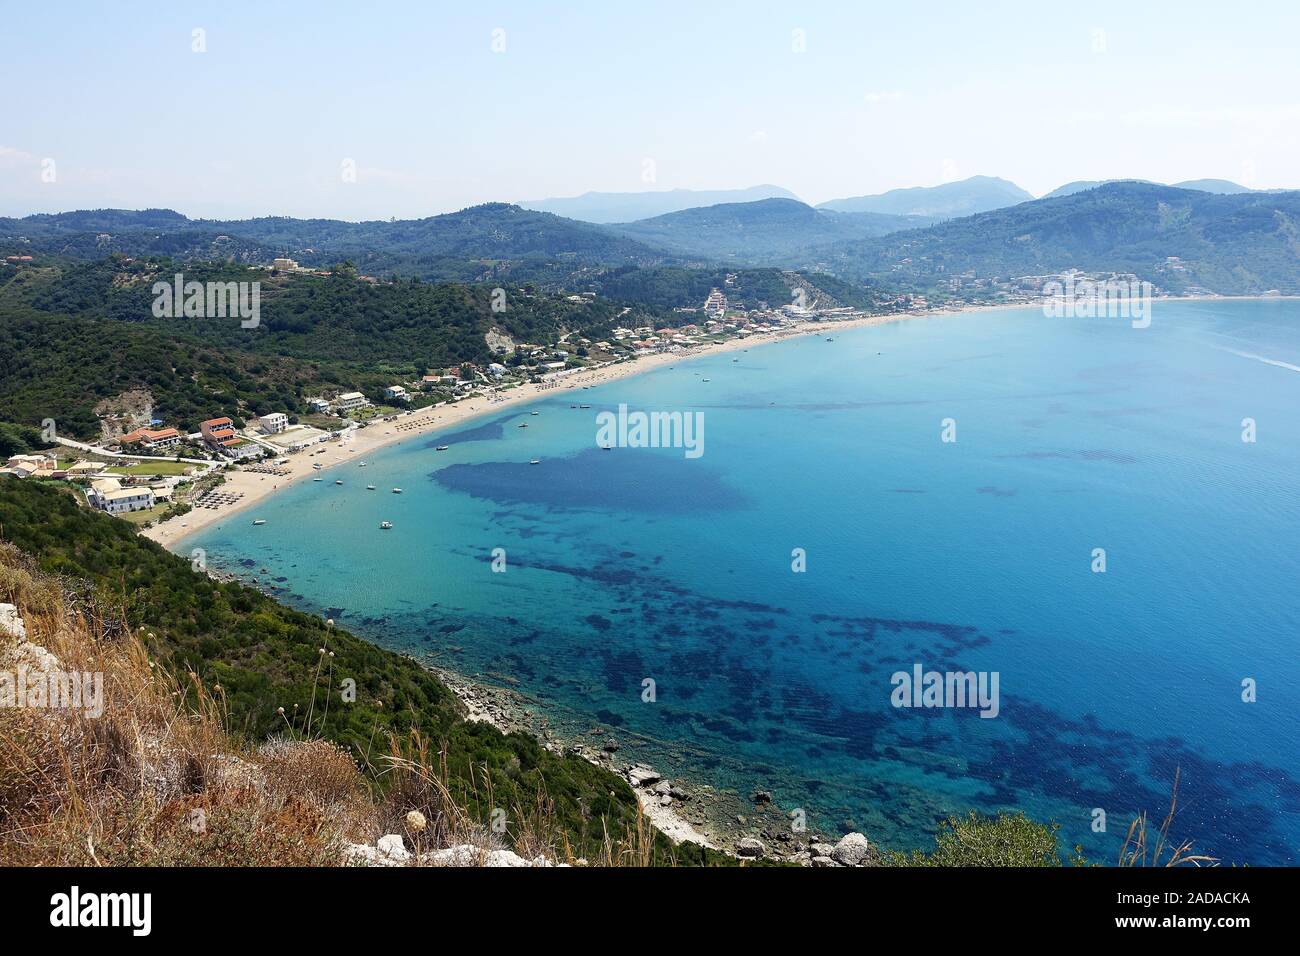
point(481, 243)
point(770, 230)
point(1179, 239)
point(76, 333)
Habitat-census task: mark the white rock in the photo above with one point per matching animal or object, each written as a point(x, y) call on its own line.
point(505, 858)
point(464, 855)
point(750, 847)
point(393, 848)
point(851, 850)
point(468, 855)
point(642, 776)
point(11, 623)
point(358, 854)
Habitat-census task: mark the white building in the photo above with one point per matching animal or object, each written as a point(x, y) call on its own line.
point(107, 494)
point(284, 265)
point(396, 393)
point(318, 405)
point(350, 400)
point(716, 303)
point(24, 466)
point(274, 423)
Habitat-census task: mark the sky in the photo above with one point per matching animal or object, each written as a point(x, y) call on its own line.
point(410, 109)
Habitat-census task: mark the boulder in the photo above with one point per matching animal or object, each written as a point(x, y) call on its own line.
point(751, 848)
point(761, 797)
point(852, 850)
point(642, 776)
point(394, 848)
point(11, 623)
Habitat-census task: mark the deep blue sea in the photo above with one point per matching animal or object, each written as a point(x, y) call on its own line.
point(1071, 435)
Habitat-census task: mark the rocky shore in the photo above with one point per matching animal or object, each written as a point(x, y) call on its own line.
point(748, 828)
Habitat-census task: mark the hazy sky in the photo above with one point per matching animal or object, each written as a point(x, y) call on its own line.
point(826, 99)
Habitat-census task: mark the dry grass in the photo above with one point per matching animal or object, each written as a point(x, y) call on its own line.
point(158, 779)
point(1141, 848)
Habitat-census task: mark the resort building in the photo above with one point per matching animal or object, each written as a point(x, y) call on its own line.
point(28, 466)
point(274, 423)
point(284, 265)
point(716, 303)
point(350, 400)
point(318, 405)
point(396, 393)
point(107, 494)
point(220, 434)
point(149, 438)
point(218, 431)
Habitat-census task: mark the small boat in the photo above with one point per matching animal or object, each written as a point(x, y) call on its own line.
point(362, 465)
point(385, 525)
point(586, 406)
point(535, 461)
point(260, 521)
point(523, 424)
point(370, 487)
point(573, 406)
point(318, 479)
point(442, 447)
point(397, 491)
point(706, 380)
point(338, 482)
point(536, 413)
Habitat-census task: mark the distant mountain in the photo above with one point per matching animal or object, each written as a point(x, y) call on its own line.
point(947, 201)
point(770, 230)
point(1224, 187)
point(1221, 186)
point(628, 207)
point(1176, 238)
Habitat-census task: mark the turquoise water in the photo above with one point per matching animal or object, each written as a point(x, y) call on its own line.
point(1072, 434)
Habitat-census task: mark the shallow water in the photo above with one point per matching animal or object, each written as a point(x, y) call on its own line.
point(1072, 435)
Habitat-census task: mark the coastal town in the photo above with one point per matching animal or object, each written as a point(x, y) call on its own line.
point(148, 470)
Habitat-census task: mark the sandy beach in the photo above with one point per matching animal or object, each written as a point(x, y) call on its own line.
point(256, 487)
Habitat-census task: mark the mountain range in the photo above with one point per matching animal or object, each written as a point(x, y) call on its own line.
point(1216, 236)
point(600, 207)
point(1222, 186)
point(948, 200)
point(1180, 239)
point(769, 230)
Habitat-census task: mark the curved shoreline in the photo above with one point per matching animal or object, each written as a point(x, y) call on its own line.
point(256, 488)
